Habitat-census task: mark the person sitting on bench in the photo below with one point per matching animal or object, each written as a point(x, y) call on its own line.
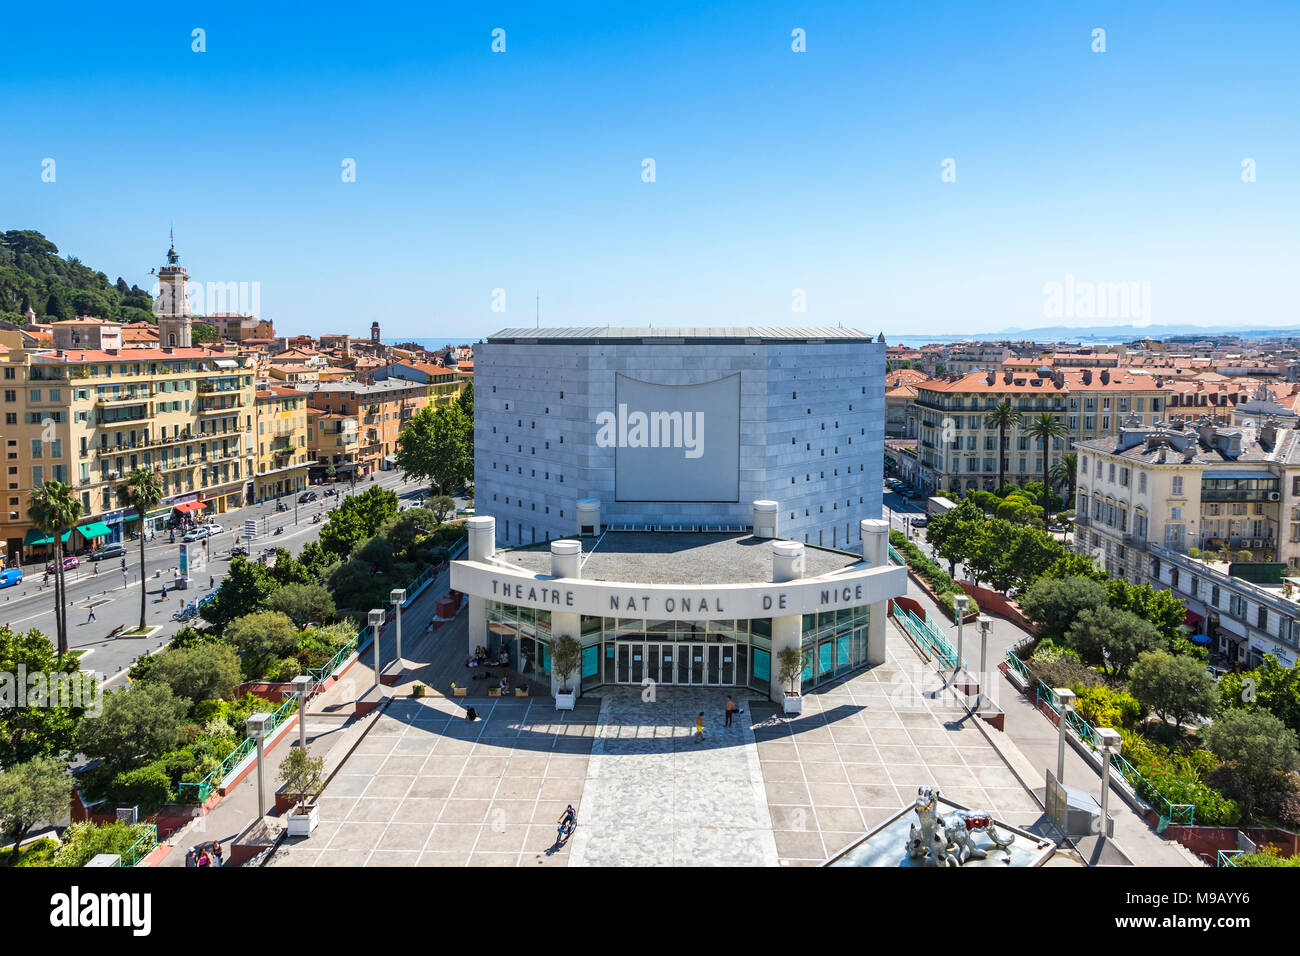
point(503, 656)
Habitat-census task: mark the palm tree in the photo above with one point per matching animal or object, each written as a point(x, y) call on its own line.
point(1045, 428)
point(1002, 416)
point(1063, 475)
point(55, 510)
point(143, 492)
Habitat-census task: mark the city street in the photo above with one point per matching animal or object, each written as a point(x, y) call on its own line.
point(31, 604)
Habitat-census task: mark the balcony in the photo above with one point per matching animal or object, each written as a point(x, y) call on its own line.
point(111, 401)
point(1138, 542)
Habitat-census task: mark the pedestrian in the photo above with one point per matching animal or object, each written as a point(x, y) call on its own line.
point(730, 709)
point(92, 614)
point(699, 727)
point(164, 595)
point(216, 852)
point(211, 581)
point(96, 567)
point(189, 857)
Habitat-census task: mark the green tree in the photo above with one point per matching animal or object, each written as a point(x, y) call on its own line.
point(1055, 603)
point(143, 492)
point(138, 724)
point(1002, 416)
point(246, 590)
point(28, 732)
point(356, 519)
point(55, 509)
point(207, 671)
point(268, 634)
point(82, 842)
point(1176, 688)
point(1161, 608)
point(1063, 474)
point(202, 332)
point(1272, 687)
point(1260, 744)
point(434, 447)
point(37, 791)
point(443, 507)
point(1046, 428)
point(303, 603)
point(301, 774)
point(1112, 639)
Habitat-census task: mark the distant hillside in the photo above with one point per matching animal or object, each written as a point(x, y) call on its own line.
point(33, 273)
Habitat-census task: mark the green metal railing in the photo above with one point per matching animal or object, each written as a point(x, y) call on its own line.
point(928, 636)
point(198, 792)
point(1180, 813)
point(142, 847)
point(1224, 857)
point(895, 556)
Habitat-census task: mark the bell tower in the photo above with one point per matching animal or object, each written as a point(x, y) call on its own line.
point(172, 307)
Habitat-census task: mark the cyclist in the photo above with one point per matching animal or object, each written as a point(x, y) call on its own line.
point(567, 823)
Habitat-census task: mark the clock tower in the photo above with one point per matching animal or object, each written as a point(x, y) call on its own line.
point(172, 306)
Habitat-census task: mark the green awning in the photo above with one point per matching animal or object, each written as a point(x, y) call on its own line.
point(96, 529)
point(134, 516)
point(37, 537)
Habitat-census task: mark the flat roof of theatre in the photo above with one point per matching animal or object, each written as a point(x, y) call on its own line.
point(665, 557)
point(610, 335)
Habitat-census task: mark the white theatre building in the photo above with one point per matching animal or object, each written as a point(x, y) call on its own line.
point(684, 502)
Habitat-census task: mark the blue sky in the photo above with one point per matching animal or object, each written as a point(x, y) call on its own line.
point(775, 170)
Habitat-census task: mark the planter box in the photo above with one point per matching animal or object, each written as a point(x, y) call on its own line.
point(565, 700)
point(302, 824)
point(792, 704)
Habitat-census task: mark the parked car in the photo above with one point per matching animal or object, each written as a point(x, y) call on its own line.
point(11, 576)
point(307, 496)
point(114, 550)
point(198, 534)
point(69, 562)
point(920, 521)
point(214, 528)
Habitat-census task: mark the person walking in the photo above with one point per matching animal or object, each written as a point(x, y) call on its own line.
point(211, 582)
point(92, 614)
point(218, 854)
point(730, 709)
point(699, 728)
point(96, 568)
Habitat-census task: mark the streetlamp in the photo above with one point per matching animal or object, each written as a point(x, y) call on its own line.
point(1110, 743)
point(301, 685)
point(376, 620)
point(256, 725)
point(1065, 699)
point(986, 626)
point(961, 602)
point(398, 597)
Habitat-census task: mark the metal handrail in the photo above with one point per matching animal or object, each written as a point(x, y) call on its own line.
point(141, 848)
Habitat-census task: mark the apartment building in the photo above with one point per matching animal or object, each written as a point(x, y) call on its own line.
point(378, 411)
point(333, 445)
point(283, 455)
point(444, 384)
point(958, 450)
point(87, 417)
point(1165, 504)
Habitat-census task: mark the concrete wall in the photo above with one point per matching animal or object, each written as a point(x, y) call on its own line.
point(811, 432)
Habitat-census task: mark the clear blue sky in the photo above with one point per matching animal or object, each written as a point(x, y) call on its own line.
point(775, 170)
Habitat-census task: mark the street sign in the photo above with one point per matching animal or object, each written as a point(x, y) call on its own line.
point(250, 528)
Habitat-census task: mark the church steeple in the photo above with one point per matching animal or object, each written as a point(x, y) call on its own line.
point(172, 306)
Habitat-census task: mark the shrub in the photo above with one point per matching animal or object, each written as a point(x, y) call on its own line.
point(1265, 856)
point(82, 842)
point(199, 672)
point(1103, 707)
point(147, 788)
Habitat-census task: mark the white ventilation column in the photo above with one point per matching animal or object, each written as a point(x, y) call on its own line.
point(482, 546)
point(875, 552)
point(566, 562)
point(566, 559)
point(765, 519)
point(787, 631)
point(588, 516)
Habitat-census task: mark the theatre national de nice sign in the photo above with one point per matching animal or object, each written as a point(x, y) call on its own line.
point(854, 587)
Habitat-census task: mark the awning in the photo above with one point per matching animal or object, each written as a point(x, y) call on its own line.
point(190, 507)
point(227, 363)
point(96, 529)
point(132, 517)
point(1191, 618)
point(36, 537)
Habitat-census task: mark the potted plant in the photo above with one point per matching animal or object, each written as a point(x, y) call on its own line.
point(300, 774)
point(790, 664)
point(566, 655)
point(417, 690)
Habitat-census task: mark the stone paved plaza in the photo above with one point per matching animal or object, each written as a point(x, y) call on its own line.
point(425, 787)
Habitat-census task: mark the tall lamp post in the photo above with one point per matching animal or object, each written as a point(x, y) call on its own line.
point(961, 602)
point(1109, 743)
point(301, 686)
point(256, 725)
point(1065, 700)
point(986, 626)
point(398, 597)
point(376, 620)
